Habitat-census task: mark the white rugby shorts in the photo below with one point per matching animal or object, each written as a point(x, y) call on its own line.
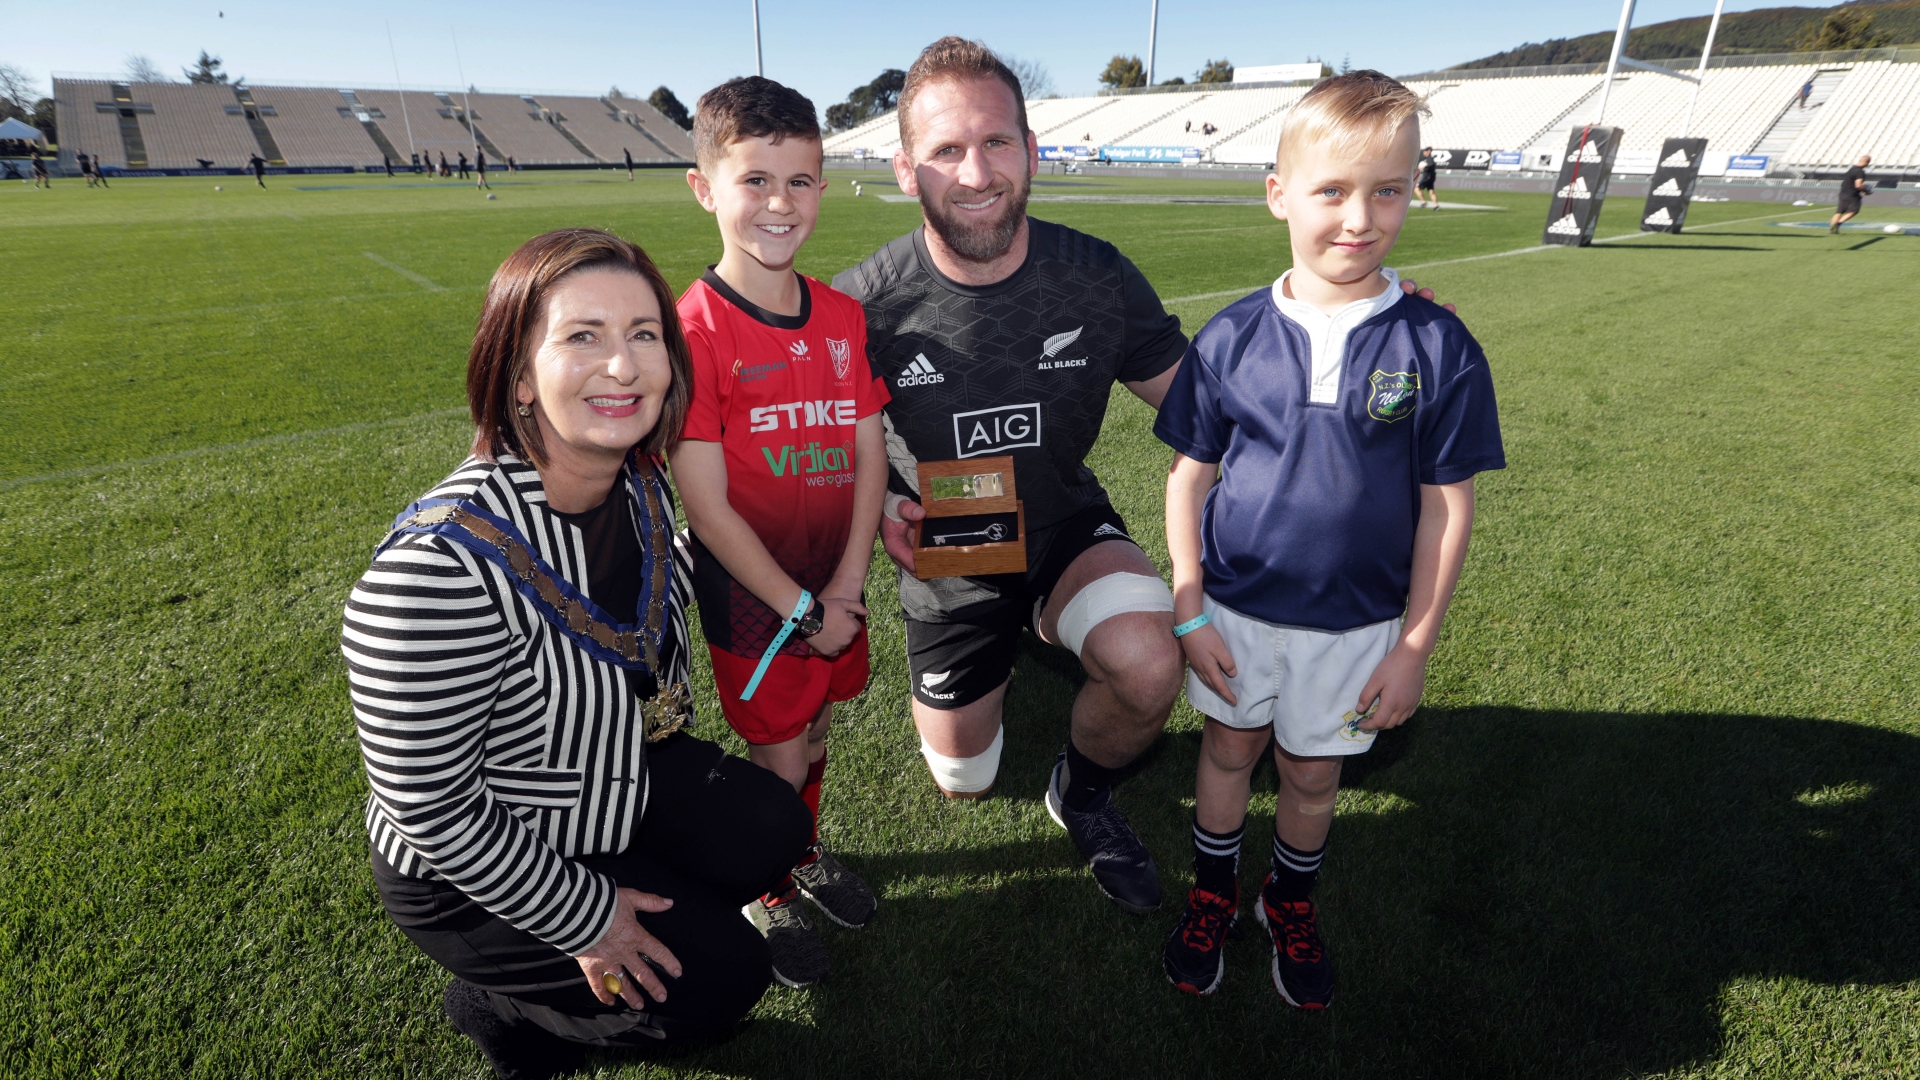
point(1304, 682)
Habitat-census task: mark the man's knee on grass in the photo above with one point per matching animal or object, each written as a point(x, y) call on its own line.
point(1136, 658)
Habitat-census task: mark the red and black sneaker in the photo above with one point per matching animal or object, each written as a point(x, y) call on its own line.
point(1302, 970)
point(1195, 958)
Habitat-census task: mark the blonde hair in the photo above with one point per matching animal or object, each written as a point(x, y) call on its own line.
point(1350, 113)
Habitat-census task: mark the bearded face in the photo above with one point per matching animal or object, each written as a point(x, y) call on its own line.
point(978, 225)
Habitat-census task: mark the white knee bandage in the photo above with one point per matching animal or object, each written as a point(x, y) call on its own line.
point(1103, 598)
point(965, 775)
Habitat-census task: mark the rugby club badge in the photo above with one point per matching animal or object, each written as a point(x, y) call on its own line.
point(842, 357)
point(1394, 394)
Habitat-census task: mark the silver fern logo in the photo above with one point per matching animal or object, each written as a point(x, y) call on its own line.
point(1057, 344)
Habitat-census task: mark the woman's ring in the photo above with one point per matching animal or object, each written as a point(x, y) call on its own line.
point(611, 981)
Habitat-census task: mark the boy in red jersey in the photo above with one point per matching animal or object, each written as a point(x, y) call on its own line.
point(781, 472)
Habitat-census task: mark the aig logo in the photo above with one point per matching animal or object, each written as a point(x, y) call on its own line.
point(995, 431)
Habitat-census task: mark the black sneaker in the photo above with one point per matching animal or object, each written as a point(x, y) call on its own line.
point(1121, 864)
point(1302, 970)
point(516, 1050)
point(837, 891)
point(799, 957)
point(1195, 958)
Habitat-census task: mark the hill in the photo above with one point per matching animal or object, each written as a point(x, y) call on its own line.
point(1766, 30)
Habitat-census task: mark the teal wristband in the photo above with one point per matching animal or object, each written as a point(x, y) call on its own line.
point(800, 609)
point(1192, 624)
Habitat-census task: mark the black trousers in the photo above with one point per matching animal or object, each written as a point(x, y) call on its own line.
point(718, 832)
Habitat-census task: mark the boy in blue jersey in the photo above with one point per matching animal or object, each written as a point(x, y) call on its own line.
point(1327, 431)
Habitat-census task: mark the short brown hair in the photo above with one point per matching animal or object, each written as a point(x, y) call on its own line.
point(503, 342)
point(1350, 111)
point(749, 108)
point(956, 59)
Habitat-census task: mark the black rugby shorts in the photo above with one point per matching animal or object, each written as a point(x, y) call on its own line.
point(963, 634)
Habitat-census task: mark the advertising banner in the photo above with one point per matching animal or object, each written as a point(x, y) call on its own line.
point(1174, 154)
point(1671, 190)
point(1507, 161)
point(1582, 185)
point(1066, 153)
point(1747, 165)
point(1462, 159)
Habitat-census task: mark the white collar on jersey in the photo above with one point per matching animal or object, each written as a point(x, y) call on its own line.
point(1328, 333)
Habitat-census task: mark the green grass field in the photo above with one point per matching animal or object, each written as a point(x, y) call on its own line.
point(1658, 816)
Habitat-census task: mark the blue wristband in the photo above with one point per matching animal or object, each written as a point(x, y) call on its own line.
point(800, 609)
point(1192, 624)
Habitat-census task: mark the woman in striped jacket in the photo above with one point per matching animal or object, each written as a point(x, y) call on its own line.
point(518, 660)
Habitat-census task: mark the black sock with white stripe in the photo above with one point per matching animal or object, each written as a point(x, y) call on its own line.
point(1216, 859)
point(1294, 872)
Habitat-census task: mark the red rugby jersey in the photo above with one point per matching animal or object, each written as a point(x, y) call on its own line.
point(781, 394)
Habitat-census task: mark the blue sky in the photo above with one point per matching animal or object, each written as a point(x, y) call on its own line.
point(823, 48)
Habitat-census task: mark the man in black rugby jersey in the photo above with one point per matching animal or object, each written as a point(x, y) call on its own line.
point(1001, 334)
point(998, 334)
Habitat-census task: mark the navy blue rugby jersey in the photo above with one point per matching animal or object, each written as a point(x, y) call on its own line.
point(1024, 366)
point(1312, 522)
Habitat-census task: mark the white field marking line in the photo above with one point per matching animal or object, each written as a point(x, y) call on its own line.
point(405, 273)
point(1498, 255)
point(207, 451)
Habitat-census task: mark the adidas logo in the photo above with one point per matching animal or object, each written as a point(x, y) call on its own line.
point(1670, 188)
point(1566, 226)
point(1106, 529)
point(919, 373)
point(1575, 190)
point(1660, 218)
point(1589, 152)
point(1676, 160)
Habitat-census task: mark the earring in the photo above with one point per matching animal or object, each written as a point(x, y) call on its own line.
point(524, 409)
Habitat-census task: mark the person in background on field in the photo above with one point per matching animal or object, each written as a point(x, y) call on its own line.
point(480, 169)
point(388, 162)
point(513, 166)
point(1326, 431)
point(1428, 173)
point(416, 163)
point(1806, 91)
point(628, 154)
point(542, 826)
point(86, 167)
point(781, 470)
point(1853, 188)
point(463, 164)
point(41, 178)
point(259, 166)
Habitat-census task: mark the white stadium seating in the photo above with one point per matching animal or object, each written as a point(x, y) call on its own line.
point(1872, 112)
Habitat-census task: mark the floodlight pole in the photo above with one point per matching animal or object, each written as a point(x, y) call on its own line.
point(1700, 77)
point(1153, 33)
point(759, 64)
point(401, 87)
point(1613, 59)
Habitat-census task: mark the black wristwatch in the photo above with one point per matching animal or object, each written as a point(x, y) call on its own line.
point(811, 622)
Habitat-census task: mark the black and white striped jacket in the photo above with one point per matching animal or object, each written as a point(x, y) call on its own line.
point(496, 748)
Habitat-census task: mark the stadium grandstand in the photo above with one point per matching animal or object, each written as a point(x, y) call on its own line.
point(176, 128)
point(1863, 102)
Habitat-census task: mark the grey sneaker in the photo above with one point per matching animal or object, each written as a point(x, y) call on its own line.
point(837, 891)
point(799, 959)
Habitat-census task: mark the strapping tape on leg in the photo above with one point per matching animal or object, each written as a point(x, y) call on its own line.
point(966, 775)
point(1103, 598)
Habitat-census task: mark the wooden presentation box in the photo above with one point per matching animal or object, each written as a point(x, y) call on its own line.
point(975, 523)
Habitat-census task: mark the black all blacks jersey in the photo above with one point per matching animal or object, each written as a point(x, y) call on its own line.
point(1024, 366)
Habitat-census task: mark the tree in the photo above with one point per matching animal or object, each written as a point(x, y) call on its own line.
point(43, 119)
point(1216, 71)
point(1123, 72)
point(141, 69)
point(671, 108)
point(1326, 69)
point(1177, 80)
point(867, 102)
point(1035, 82)
point(16, 93)
point(205, 70)
point(1843, 28)
point(1346, 63)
